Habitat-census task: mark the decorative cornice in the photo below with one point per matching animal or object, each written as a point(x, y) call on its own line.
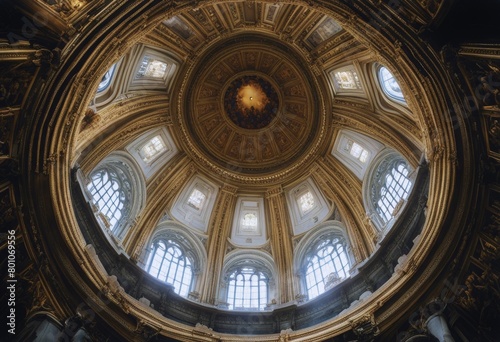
point(491, 51)
point(276, 191)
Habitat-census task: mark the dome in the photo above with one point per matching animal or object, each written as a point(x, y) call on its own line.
point(228, 125)
point(247, 170)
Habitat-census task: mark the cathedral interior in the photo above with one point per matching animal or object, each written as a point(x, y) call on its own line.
point(250, 170)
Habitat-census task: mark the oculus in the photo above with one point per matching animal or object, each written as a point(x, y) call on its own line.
point(251, 102)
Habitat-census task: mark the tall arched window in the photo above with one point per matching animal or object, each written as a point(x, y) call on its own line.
point(248, 288)
point(169, 263)
point(117, 189)
point(323, 258)
point(176, 256)
point(387, 187)
point(111, 192)
point(395, 187)
point(325, 265)
point(248, 281)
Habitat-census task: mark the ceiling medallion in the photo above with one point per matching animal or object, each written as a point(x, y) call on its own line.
point(251, 102)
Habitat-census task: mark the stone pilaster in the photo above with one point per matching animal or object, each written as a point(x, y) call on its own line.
point(281, 242)
point(219, 230)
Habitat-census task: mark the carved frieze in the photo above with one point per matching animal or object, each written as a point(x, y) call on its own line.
point(285, 74)
point(90, 119)
point(65, 8)
point(15, 79)
point(8, 212)
point(234, 62)
point(7, 124)
point(40, 301)
point(365, 328)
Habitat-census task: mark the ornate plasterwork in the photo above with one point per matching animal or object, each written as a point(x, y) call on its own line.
point(241, 154)
point(42, 301)
point(212, 131)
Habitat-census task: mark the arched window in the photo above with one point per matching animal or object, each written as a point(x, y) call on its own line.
point(248, 288)
point(248, 281)
point(117, 190)
point(323, 258)
point(395, 187)
point(176, 256)
point(325, 265)
point(111, 192)
point(387, 187)
point(169, 263)
point(389, 84)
